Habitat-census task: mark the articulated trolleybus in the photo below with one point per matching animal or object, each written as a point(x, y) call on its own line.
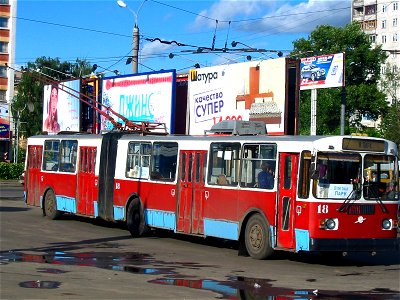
point(332, 193)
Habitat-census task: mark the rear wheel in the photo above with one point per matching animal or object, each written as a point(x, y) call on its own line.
point(50, 206)
point(135, 219)
point(257, 238)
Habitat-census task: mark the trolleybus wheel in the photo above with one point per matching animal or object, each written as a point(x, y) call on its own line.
point(135, 220)
point(50, 206)
point(257, 238)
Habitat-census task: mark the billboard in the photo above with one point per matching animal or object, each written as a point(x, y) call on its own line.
point(146, 97)
point(322, 71)
point(4, 122)
point(61, 107)
point(253, 90)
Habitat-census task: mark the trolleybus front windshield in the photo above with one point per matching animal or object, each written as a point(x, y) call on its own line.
point(336, 174)
point(343, 176)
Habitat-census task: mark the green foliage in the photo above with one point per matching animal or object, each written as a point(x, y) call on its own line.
point(30, 89)
point(362, 75)
point(391, 124)
point(10, 170)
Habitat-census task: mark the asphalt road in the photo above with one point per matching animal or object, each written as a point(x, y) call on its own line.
point(78, 258)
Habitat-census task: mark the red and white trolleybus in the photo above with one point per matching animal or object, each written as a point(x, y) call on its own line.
point(323, 196)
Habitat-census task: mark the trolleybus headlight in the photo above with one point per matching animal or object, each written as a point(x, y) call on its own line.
point(386, 224)
point(330, 224)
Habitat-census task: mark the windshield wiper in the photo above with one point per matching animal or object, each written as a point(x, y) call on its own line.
point(354, 195)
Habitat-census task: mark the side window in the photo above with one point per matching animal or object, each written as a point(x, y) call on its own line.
point(138, 162)
point(68, 154)
point(164, 161)
point(50, 155)
point(258, 166)
point(223, 168)
point(305, 176)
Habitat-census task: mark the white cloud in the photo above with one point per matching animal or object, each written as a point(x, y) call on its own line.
point(276, 16)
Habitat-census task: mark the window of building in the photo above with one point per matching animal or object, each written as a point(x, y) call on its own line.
point(395, 37)
point(164, 161)
point(223, 168)
point(138, 162)
point(384, 8)
point(395, 6)
point(258, 166)
point(383, 39)
point(3, 71)
point(372, 38)
point(3, 47)
point(369, 25)
point(383, 24)
point(3, 95)
point(370, 9)
point(3, 22)
point(395, 22)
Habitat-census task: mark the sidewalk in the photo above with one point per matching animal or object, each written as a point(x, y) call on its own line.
point(11, 189)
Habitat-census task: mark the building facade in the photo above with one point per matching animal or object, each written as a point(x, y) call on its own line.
point(380, 19)
point(8, 10)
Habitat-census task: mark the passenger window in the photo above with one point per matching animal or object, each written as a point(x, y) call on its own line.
point(258, 166)
point(51, 155)
point(138, 161)
point(68, 155)
point(224, 164)
point(164, 161)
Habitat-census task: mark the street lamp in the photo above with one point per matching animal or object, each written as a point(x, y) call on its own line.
point(135, 48)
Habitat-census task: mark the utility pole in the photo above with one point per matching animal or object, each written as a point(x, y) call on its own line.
point(135, 49)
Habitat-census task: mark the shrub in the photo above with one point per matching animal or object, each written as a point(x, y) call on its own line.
point(10, 170)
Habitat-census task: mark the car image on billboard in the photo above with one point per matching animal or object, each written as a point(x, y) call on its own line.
point(312, 72)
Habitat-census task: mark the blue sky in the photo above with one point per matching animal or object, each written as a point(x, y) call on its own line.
point(101, 31)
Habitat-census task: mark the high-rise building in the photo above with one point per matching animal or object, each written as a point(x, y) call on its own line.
point(8, 10)
point(380, 19)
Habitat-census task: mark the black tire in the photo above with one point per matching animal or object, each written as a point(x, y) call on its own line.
point(312, 77)
point(135, 219)
point(257, 238)
point(50, 206)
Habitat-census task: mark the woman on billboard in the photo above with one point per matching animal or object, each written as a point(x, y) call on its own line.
point(51, 122)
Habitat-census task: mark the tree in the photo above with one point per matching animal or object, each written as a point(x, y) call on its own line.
point(362, 65)
point(390, 126)
point(28, 103)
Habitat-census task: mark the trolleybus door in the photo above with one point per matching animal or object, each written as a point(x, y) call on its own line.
point(32, 175)
point(190, 209)
point(87, 186)
point(288, 163)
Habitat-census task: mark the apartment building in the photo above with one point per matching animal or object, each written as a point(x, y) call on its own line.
point(8, 10)
point(380, 19)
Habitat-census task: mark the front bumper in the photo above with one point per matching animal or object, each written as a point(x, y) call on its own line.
point(348, 245)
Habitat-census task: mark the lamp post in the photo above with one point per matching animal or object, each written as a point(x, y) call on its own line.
point(135, 46)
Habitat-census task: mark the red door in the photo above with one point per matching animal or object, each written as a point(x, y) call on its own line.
point(190, 209)
point(288, 163)
point(32, 175)
point(87, 186)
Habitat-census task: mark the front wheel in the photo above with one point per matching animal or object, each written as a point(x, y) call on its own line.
point(50, 206)
point(257, 238)
point(135, 219)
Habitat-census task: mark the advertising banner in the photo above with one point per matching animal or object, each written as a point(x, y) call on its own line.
point(244, 91)
point(146, 97)
point(4, 122)
point(323, 71)
point(61, 107)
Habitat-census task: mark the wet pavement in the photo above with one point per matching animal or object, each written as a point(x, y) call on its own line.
point(79, 258)
point(234, 287)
